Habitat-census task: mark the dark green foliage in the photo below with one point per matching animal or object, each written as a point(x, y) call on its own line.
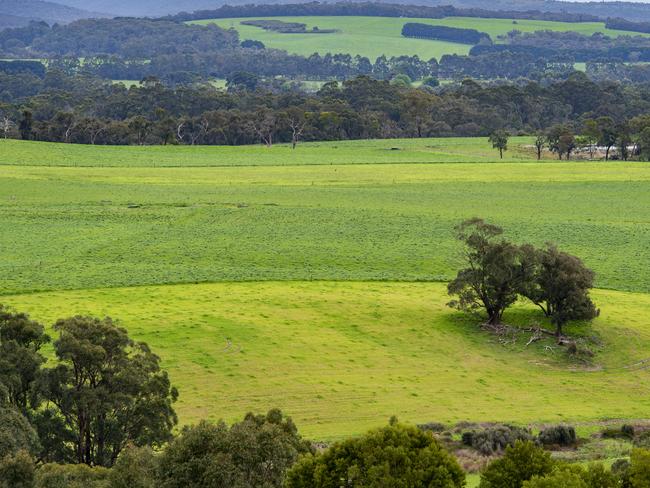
point(520, 463)
point(494, 271)
point(20, 360)
point(16, 433)
point(396, 455)
point(17, 471)
point(558, 435)
point(559, 284)
point(444, 33)
point(135, 468)
point(254, 452)
point(108, 391)
point(496, 438)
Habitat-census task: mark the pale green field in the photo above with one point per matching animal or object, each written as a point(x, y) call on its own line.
point(376, 36)
point(343, 357)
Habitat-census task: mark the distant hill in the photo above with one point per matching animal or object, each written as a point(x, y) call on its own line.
point(16, 13)
point(141, 8)
point(628, 10)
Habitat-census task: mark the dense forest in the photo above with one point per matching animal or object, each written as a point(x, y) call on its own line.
point(88, 110)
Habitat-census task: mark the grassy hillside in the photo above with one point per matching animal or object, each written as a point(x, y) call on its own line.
point(120, 226)
point(376, 36)
point(343, 357)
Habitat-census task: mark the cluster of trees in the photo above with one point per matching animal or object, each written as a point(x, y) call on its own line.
point(498, 272)
point(286, 27)
point(86, 110)
point(127, 37)
point(105, 391)
point(627, 25)
point(444, 33)
point(571, 46)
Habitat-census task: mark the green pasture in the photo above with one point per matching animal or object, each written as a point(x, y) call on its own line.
point(394, 151)
point(343, 357)
point(91, 227)
point(376, 36)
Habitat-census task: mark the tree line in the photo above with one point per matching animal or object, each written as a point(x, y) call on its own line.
point(61, 108)
point(376, 9)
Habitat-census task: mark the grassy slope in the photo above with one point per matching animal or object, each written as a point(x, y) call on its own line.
point(343, 357)
point(374, 36)
point(73, 228)
point(339, 357)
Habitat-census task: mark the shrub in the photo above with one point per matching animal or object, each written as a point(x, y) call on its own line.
point(496, 438)
point(624, 432)
point(17, 471)
point(433, 427)
point(628, 431)
point(597, 476)
point(71, 476)
point(396, 455)
point(16, 433)
point(565, 477)
point(135, 468)
point(643, 440)
point(639, 471)
point(520, 463)
point(254, 452)
point(558, 435)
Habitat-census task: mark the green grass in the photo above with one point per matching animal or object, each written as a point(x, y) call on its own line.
point(343, 357)
point(376, 36)
point(397, 151)
point(372, 337)
point(290, 219)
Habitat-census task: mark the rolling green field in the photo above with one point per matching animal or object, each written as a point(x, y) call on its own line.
point(309, 279)
point(376, 36)
point(344, 357)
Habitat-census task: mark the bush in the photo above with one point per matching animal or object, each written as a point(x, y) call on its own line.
point(433, 427)
point(643, 440)
point(396, 455)
point(639, 471)
point(71, 476)
point(520, 463)
point(254, 452)
point(564, 477)
point(135, 468)
point(628, 431)
point(16, 433)
point(624, 432)
point(558, 435)
point(17, 471)
point(495, 439)
point(597, 476)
